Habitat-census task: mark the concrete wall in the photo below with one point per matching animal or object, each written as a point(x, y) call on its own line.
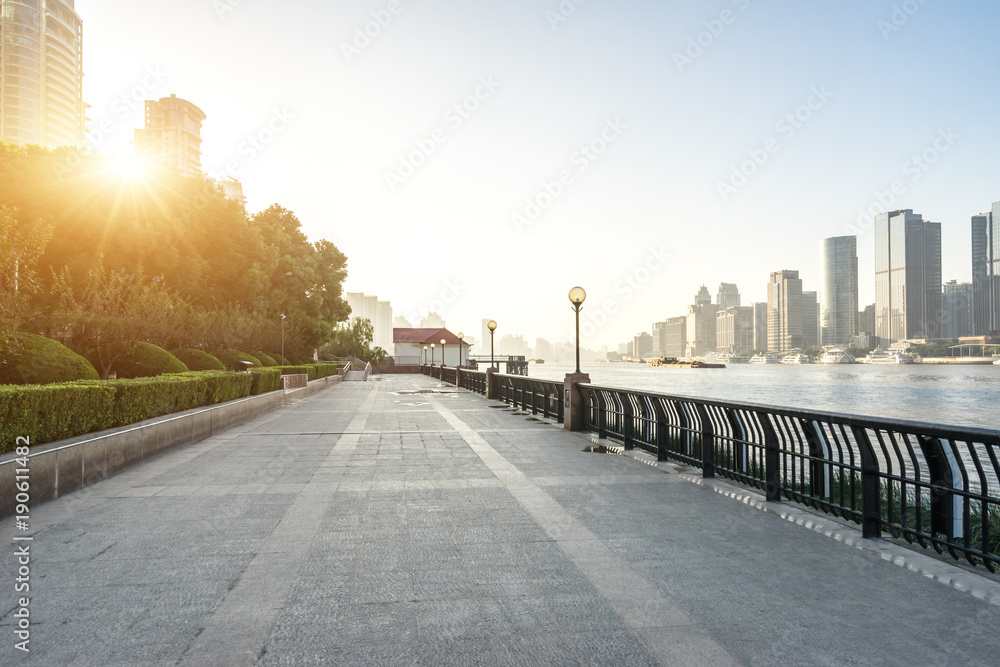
point(58, 468)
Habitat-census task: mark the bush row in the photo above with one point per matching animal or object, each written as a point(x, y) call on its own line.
point(64, 410)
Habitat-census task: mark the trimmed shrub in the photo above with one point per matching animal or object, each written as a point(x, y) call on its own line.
point(265, 359)
point(40, 360)
point(137, 399)
point(147, 360)
point(264, 380)
point(53, 411)
point(221, 386)
point(199, 360)
point(230, 357)
point(279, 361)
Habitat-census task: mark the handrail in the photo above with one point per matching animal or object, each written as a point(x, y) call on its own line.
point(934, 484)
point(539, 396)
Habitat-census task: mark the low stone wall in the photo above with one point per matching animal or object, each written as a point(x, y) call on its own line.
point(58, 468)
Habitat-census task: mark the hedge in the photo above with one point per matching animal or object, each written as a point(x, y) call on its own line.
point(47, 412)
point(147, 360)
point(264, 380)
point(230, 357)
point(199, 360)
point(265, 359)
point(40, 360)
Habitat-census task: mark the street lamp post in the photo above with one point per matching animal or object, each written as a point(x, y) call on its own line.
point(432, 354)
point(442, 353)
point(282, 339)
point(425, 354)
point(460, 337)
point(577, 296)
point(492, 326)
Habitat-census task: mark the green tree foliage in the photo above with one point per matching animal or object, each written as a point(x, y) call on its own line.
point(38, 360)
point(148, 360)
point(199, 360)
point(199, 246)
point(21, 244)
point(354, 339)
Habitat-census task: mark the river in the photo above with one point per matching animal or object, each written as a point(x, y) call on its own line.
point(956, 395)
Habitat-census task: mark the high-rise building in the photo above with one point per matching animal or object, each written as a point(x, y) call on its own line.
point(543, 349)
point(659, 338)
point(675, 336)
point(233, 189)
point(642, 345)
point(839, 304)
point(432, 321)
point(759, 326)
point(810, 320)
point(956, 303)
point(41, 86)
point(702, 296)
point(784, 311)
point(866, 320)
point(734, 330)
point(728, 296)
point(379, 313)
point(701, 328)
point(907, 276)
point(172, 135)
point(986, 272)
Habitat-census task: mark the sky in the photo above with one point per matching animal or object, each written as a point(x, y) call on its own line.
point(482, 158)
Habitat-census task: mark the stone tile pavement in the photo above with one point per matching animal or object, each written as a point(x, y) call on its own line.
point(374, 524)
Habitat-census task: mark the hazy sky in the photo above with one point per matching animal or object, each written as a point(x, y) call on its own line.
point(488, 156)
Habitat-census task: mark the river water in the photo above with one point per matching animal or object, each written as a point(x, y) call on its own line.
point(956, 395)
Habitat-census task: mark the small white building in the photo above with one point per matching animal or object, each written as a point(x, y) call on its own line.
point(423, 346)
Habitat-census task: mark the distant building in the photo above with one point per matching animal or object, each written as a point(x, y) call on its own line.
point(659, 338)
point(866, 320)
point(543, 349)
point(642, 345)
point(759, 326)
point(41, 84)
point(956, 301)
point(839, 302)
point(233, 189)
point(512, 344)
point(734, 330)
point(810, 320)
point(172, 135)
point(625, 349)
point(408, 347)
point(701, 328)
point(866, 342)
point(400, 322)
point(728, 296)
point(675, 337)
point(784, 311)
point(432, 321)
point(702, 296)
point(907, 276)
point(986, 272)
point(379, 313)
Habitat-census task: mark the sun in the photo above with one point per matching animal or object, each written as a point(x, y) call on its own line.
point(128, 165)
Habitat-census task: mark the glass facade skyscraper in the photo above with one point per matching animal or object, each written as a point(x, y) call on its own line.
point(986, 272)
point(907, 276)
point(839, 300)
point(41, 89)
point(784, 311)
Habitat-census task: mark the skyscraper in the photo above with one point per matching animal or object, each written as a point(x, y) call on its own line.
point(172, 136)
point(956, 306)
point(986, 272)
point(784, 311)
point(728, 296)
point(702, 296)
point(41, 89)
point(810, 319)
point(839, 303)
point(907, 276)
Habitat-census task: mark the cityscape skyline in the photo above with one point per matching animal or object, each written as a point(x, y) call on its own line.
point(714, 147)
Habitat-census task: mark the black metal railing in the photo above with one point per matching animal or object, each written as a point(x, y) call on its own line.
point(447, 375)
point(931, 484)
point(540, 396)
point(474, 381)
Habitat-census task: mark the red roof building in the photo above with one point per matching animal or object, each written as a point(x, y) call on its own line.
point(414, 346)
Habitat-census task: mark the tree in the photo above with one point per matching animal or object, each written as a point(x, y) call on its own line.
point(20, 247)
point(354, 339)
point(115, 310)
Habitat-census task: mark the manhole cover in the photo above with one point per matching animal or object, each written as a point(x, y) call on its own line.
point(601, 449)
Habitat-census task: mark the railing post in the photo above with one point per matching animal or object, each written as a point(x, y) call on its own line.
point(662, 436)
point(871, 499)
point(491, 383)
point(772, 458)
point(628, 417)
point(574, 402)
point(946, 476)
point(820, 471)
point(707, 442)
point(458, 376)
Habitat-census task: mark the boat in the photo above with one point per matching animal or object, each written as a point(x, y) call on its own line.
point(880, 356)
point(837, 356)
point(796, 358)
point(764, 359)
point(674, 362)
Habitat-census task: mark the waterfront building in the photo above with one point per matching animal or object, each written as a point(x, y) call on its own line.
point(728, 296)
point(625, 349)
point(675, 336)
point(759, 326)
point(41, 83)
point(408, 347)
point(866, 320)
point(784, 311)
point(543, 349)
point(810, 320)
point(986, 272)
point(379, 313)
point(642, 345)
point(701, 329)
point(659, 338)
point(734, 330)
point(956, 299)
point(907, 276)
point(512, 345)
point(839, 303)
point(171, 137)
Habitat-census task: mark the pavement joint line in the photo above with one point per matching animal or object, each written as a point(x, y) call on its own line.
point(942, 572)
point(258, 596)
point(626, 591)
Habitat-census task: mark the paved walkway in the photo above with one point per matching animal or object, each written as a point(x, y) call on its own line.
point(369, 524)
